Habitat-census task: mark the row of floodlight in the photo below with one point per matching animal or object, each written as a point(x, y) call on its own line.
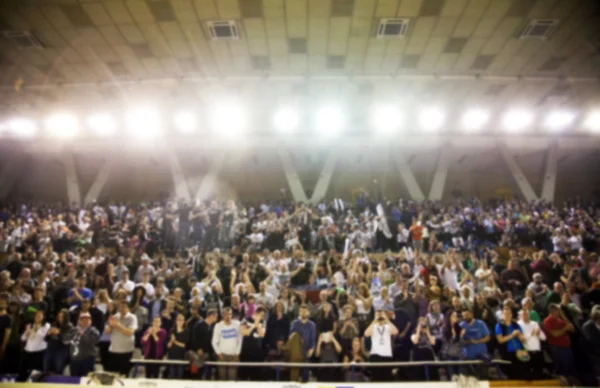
point(233, 119)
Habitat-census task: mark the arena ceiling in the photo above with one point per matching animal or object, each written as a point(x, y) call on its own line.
point(85, 55)
point(458, 52)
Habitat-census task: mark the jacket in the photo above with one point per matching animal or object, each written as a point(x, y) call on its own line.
point(82, 345)
point(160, 344)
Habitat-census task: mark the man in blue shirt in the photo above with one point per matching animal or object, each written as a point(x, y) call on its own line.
point(475, 336)
point(308, 331)
point(80, 292)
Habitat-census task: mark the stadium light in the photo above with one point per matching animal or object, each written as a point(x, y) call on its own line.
point(387, 118)
point(517, 119)
point(559, 119)
point(431, 119)
point(228, 118)
point(143, 122)
point(592, 122)
point(475, 119)
point(286, 119)
point(63, 125)
point(329, 119)
point(102, 124)
point(185, 121)
point(22, 127)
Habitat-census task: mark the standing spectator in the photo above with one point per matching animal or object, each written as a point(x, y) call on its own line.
point(227, 343)
point(82, 341)
point(591, 336)
point(35, 345)
point(57, 353)
point(381, 331)
point(452, 347)
point(533, 336)
point(80, 292)
point(153, 341)
point(5, 331)
point(122, 327)
point(511, 340)
point(202, 335)
point(475, 335)
point(557, 329)
point(435, 322)
point(308, 332)
point(513, 278)
point(328, 350)
point(179, 337)
point(416, 232)
point(423, 343)
point(253, 331)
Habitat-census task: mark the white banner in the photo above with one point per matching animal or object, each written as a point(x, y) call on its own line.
point(154, 383)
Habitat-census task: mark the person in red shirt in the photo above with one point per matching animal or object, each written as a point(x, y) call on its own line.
point(416, 231)
point(557, 329)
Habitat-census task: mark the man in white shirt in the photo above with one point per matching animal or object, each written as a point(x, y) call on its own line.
point(533, 336)
point(381, 331)
point(227, 343)
point(124, 284)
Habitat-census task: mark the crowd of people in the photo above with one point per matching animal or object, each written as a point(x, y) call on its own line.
point(353, 283)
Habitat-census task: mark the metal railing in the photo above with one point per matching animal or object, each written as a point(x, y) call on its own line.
point(351, 366)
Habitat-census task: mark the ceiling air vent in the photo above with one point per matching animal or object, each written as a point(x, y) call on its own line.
point(223, 30)
point(392, 28)
point(539, 29)
point(23, 39)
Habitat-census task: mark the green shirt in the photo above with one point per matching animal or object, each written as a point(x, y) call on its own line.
point(534, 316)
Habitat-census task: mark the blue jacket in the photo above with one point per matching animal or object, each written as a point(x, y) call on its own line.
point(308, 332)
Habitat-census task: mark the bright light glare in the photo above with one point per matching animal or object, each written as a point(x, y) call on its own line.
point(517, 119)
point(22, 127)
point(329, 119)
point(387, 118)
point(143, 122)
point(592, 122)
point(475, 119)
point(186, 121)
point(559, 120)
point(228, 119)
point(431, 119)
point(63, 125)
point(286, 119)
point(102, 124)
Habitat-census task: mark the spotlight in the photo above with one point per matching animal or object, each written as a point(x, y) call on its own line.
point(102, 124)
point(559, 120)
point(228, 118)
point(186, 121)
point(63, 125)
point(143, 122)
point(286, 119)
point(431, 119)
point(475, 119)
point(21, 127)
point(592, 122)
point(517, 119)
point(329, 119)
point(387, 118)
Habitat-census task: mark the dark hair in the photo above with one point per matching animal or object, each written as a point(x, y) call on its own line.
point(447, 331)
point(211, 312)
point(260, 309)
point(66, 319)
point(304, 306)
